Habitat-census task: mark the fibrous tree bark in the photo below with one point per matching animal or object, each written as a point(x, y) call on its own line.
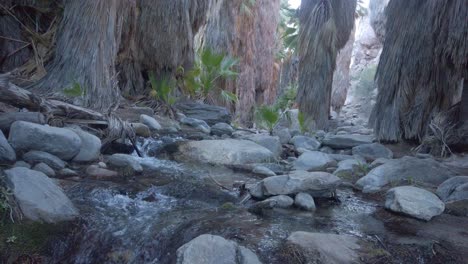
point(107, 46)
point(250, 36)
point(420, 67)
point(325, 26)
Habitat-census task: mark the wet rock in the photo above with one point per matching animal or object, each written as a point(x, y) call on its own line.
point(35, 156)
point(7, 119)
point(60, 142)
point(314, 161)
point(150, 122)
point(262, 170)
point(306, 143)
point(39, 197)
point(126, 162)
point(141, 130)
point(21, 163)
point(117, 146)
point(373, 151)
point(7, 153)
point(326, 248)
point(279, 201)
point(414, 202)
point(220, 129)
point(270, 142)
point(283, 134)
point(395, 171)
point(317, 184)
point(98, 173)
point(90, 146)
point(198, 124)
point(210, 249)
point(346, 141)
point(304, 201)
point(226, 152)
point(44, 168)
point(209, 113)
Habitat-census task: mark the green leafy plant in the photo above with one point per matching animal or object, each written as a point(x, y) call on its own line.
point(288, 27)
point(267, 117)
point(209, 69)
point(11, 239)
point(76, 90)
point(162, 89)
point(287, 99)
point(302, 122)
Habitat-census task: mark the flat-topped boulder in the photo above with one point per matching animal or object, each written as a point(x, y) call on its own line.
point(61, 142)
point(211, 249)
point(346, 140)
point(225, 152)
point(39, 197)
point(314, 161)
point(372, 151)
point(317, 184)
point(399, 171)
point(415, 202)
point(209, 113)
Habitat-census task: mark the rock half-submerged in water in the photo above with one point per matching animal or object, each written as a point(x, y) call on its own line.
point(210, 249)
point(317, 184)
point(39, 198)
point(225, 152)
point(415, 202)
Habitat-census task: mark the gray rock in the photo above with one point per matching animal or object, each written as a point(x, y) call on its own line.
point(66, 173)
point(90, 146)
point(414, 202)
point(44, 168)
point(35, 156)
point(7, 119)
point(124, 161)
point(60, 142)
point(279, 201)
point(378, 162)
point(220, 129)
point(458, 208)
point(98, 173)
point(373, 151)
point(283, 134)
point(341, 157)
point(210, 249)
point(304, 201)
point(450, 189)
point(39, 197)
point(314, 161)
point(290, 120)
point(150, 122)
point(327, 150)
point(209, 113)
point(270, 142)
point(262, 170)
point(141, 130)
point(7, 153)
point(21, 163)
point(198, 124)
point(346, 141)
point(226, 152)
point(307, 143)
point(317, 184)
point(347, 168)
point(326, 248)
point(395, 171)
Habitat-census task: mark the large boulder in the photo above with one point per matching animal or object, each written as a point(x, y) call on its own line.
point(90, 147)
point(35, 156)
point(39, 197)
point(346, 141)
point(226, 152)
point(427, 171)
point(61, 142)
point(7, 153)
point(415, 202)
point(314, 161)
point(209, 113)
point(325, 248)
point(303, 143)
point(210, 249)
point(125, 162)
point(7, 119)
point(304, 201)
point(372, 151)
point(317, 184)
point(349, 168)
point(220, 129)
point(270, 142)
point(454, 192)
